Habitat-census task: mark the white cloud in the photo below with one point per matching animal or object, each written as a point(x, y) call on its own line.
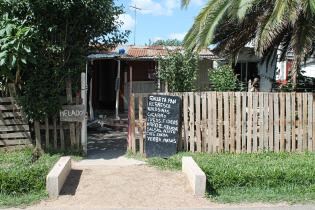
point(179, 36)
point(153, 7)
point(128, 21)
point(197, 2)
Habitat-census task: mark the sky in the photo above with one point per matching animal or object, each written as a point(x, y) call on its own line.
point(158, 19)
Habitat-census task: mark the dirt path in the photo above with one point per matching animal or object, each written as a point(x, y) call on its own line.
point(125, 186)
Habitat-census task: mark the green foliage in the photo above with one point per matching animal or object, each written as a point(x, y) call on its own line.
point(253, 177)
point(223, 78)
point(19, 175)
point(167, 42)
point(66, 31)
point(15, 41)
point(179, 70)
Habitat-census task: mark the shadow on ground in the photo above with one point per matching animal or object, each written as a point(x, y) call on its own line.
point(72, 182)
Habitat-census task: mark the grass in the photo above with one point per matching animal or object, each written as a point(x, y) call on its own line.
point(264, 177)
point(22, 179)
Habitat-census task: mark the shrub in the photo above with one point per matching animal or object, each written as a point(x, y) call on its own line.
point(223, 78)
point(19, 175)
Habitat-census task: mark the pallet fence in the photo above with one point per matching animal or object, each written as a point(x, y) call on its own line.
point(237, 122)
point(14, 129)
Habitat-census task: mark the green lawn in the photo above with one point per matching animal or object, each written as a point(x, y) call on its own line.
point(264, 177)
point(22, 181)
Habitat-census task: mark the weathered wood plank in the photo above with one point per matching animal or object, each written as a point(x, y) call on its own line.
point(214, 127)
point(288, 113)
point(293, 108)
point(220, 121)
point(204, 122)
point(261, 128)
point(249, 122)
point(226, 122)
point(282, 121)
point(265, 121)
point(197, 122)
point(238, 122)
point(309, 122)
point(37, 135)
point(15, 135)
point(11, 142)
point(191, 122)
point(13, 122)
point(46, 132)
point(10, 107)
point(305, 102)
point(232, 122)
point(210, 123)
point(300, 122)
point(132, 124)
point(62, 136)
point(6, 115)
point(276, 122)
point(7, 100)
point(141, 139)
point(244, 121)
point(271, 143)
point(4, 128)
point(255, 122)
point(186, 125)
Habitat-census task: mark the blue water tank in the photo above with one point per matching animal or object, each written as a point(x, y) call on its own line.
point(121, 51)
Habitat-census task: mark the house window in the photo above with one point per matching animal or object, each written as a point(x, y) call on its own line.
point(246, 71)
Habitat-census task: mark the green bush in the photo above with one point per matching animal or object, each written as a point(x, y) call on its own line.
point(255, 177)
point(223, 78)
point(19, 175)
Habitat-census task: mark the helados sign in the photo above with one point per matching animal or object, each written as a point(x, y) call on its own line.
point(72, 113)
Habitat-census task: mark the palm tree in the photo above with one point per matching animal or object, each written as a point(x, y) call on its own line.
point(270, 24)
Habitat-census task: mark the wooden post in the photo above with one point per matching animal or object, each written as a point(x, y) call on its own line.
point(130, 82)
point(90, 100)
point(132, 140)
point(84, 122)
point(69, 101)
point(47, 132)
point(141, 125)
point(117, 88)
point(37, 135)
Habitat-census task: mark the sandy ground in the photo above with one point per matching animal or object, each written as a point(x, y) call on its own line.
point(125, 186)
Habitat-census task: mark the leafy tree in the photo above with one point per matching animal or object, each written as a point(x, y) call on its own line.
point(223, 78)
point(272, 24)
point(167, 42)
point(66, 31)
point(179, 70)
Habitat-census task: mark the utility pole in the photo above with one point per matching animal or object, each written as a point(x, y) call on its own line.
point(135, 28)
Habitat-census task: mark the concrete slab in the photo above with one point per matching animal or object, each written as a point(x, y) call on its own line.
point(195, 175)
point(57, 176)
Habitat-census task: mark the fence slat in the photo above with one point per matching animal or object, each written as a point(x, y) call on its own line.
point(305, 98)
point(191, 122)
point(62, 135)
point(293, 108)
point(300, 123)
point(288, 122)
point(265, 121)
point(232, 122)
point(210, 124)
point(309, 123)
point(186, 125)
point(276, 122)
point(271, 123)
point(255, 121)
point(282, 121)
point(197, 122)
point(238, 122)
point(226, 122)
point(249, 122)
point(214, 127)
point(220, 121)
point(204, 122)
point(47, 132)
point(132, 124)
point(141, 141)
point(261, 128)
point(244, 120)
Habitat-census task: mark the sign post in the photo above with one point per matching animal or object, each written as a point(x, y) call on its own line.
point(163, 123)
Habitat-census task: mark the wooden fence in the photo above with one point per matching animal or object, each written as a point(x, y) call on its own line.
point(14, 129)
point(236, 122)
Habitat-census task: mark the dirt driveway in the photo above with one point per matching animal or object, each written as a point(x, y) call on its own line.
point(125, 186)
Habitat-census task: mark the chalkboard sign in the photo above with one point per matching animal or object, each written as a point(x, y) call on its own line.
point(163, 123)
point(72, 113)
